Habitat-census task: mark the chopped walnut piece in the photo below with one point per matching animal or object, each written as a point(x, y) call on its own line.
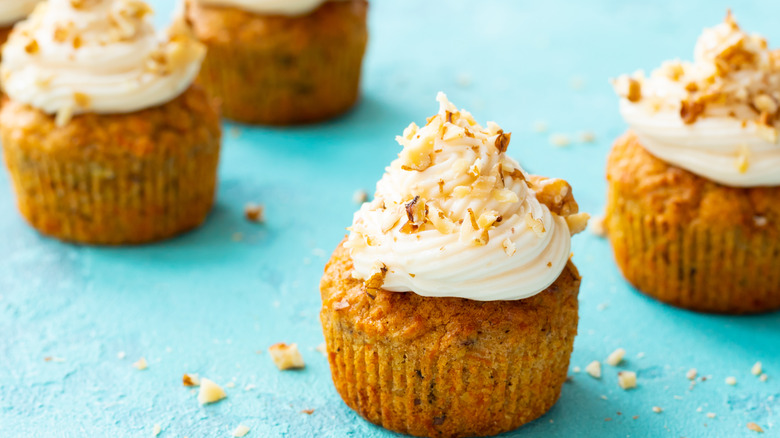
point(377, 279)
point(286, 357)
point(629, 88)
point(416, 211)
point(210, 392)
point(594, 369)
point(470, 231)
point(756, 369)
point(690, 111)
point(307, 411)
point(657, 409)
point(755, 427)
point(731, 381)
point(440, 221)
point(240, 431)
point(502, 141)
point(555, 193)
point(254, 212)
point(765, 103)
point(32, 47)
point(768, 133)
point(577, 222)
point(190, 380)
point(509, 247)
point(616, 357)
point(627, 379)
point(140, 364)
point(742, 162)
point(81, 99)
point(691, 374)
point(360, 196)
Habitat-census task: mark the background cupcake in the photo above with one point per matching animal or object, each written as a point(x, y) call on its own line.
point(694, 205)
point(104, 137)
point(451, 309)
point(281, 62)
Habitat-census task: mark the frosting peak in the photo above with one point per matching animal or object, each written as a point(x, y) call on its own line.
point(12, 11)
point(454, 216)
point(716, 116)
point(76, 56)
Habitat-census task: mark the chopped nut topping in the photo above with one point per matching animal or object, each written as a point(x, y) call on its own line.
point(140, 364)
point(360, 196)
point(240, 431)
point(711, 415)
point(627, 379)
point(628, 88)
point(156, 430)
point(190, 380)
point(81, 99)
point(555, 193)
point(756, 369)
point(307, 411)
point(577, 222)
point(598, 226)
point(210, 392)
point(535, 224)
point(32, 47)
point(657, 409)
point(616, 357)
point(755, 427)
point(594, 369)
point(286, 357)
point(731, 381)
point(509, 247)
point(691, 374)
point(502, 141)
point(254, 212)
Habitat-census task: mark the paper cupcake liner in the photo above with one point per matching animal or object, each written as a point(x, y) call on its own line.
point(419, 388)
point(274, 84)
point(695, 266)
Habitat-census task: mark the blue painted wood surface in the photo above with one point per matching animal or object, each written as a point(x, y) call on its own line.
point(208, 301)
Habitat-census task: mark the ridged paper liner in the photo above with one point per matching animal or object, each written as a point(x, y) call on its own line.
point(137, 200)
point(266, 84)
point(412, 387)
point(693, 265)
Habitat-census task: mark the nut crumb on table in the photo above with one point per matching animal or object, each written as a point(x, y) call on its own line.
point(286, 357)
point(210, 392)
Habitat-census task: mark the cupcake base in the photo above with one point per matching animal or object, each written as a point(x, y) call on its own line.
point(280, 70)
point(446, 367)
point(114, 179)
point(688, 241)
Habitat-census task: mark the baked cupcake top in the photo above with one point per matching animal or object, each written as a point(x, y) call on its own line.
point(716, 116)
point(270, 7)
point(454, 216)
point(12, 11)
point(103, 56)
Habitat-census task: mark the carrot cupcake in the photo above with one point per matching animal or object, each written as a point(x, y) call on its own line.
point(693, 211)
point(451, 309)
point(104, 137)
point(280, 62)
point(11, 12)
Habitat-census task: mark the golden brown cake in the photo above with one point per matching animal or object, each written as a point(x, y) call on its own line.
point(447, 367)
point(451, 308)
point(110, 143)
point(282, 69)
point(114, 179)
point(693, 210)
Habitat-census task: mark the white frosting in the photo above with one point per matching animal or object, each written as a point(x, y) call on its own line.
point(12, 11)
point(454, 168)
point(734, 79)
point(271, 7)
point(103, 56)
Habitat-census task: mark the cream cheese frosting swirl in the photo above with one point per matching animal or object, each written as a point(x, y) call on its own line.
point(12, 11)
point(103, 56)
point(716, 116)
point(453, 216)
point(272, 7)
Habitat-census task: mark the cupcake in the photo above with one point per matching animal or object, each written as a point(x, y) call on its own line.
point(693, 210)
point(105, 138)
point(451, 308)
point(11, 12)
point(281, 62)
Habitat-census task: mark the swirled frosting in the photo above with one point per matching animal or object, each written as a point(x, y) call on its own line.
point(272, 7)
point(716, 116)
point(454, 216)
point(12, 11)
point(103, 56)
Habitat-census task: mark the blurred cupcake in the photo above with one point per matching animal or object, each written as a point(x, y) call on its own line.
point(12, 11)
point(281, 62)
point(693, 211)
point(104, 137)
point(451, 309)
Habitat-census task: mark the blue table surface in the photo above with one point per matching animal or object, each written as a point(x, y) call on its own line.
point(212, 301)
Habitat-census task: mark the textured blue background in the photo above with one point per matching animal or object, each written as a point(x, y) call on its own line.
point(206, 302)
